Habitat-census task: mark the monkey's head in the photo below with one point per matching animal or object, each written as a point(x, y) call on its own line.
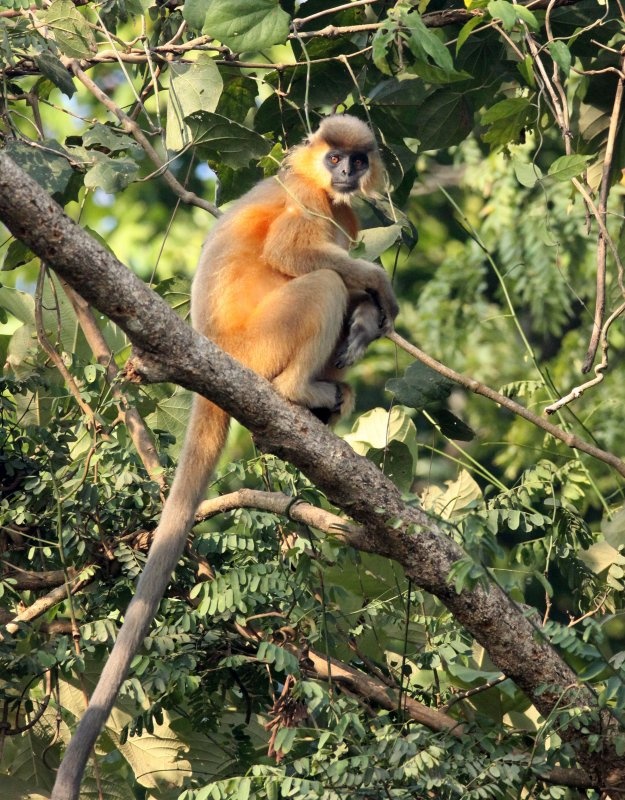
point(341, 158)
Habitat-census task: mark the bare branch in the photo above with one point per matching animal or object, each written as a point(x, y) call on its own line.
point(141, 437)
point(374, 691)
point(132, 127)
point(29, 579)
point(292, 507)
point(600, 368)
point(570, 439)
point(606, 177)
point(52, 354)
point(48, 601)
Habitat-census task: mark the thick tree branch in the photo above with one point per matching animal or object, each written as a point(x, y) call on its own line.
point(374, 691)
point(391, 528)
point(279, 503)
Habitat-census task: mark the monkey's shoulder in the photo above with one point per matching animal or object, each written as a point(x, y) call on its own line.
point(281, 196)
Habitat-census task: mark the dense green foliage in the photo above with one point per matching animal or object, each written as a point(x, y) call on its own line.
point(500, 128)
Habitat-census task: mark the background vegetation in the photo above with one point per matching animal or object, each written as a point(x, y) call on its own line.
point(284, 663)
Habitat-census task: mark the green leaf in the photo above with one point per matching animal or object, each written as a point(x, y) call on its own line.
point(20, 304)
point(243, 788)
point(509, 14)
point(613, 529)
point(433, 74)
point(111, 174)
point(394, 92)
point(172, 414)
point(69, 29)
point(194, 13)
point(16, 789)
point(527, 16)
point(244, 25)
point(506, 119)
point(229, 142)
point(511, 107)
point(397, 463)
point(526, 69)
point(526, 174)
point(445, 118)
point(424, 43)
point(601, 556)
point(503, 10)
point(561, 55)
point(383, 44)
point(420, 387)
point(466, 30)
point(104, 137)
point(52, 68)
point(377, 240)
point(51, 172)
point(192, 87)
point(237, 97)
point(17, 255)
point(460, 574)
point(453, 427)
point(376, 428)
point(567, 167)
point(459, 495)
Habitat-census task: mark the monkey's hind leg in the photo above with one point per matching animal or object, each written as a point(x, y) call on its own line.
point(292, 336)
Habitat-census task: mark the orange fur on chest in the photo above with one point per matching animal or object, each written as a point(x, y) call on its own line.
point(242, 283)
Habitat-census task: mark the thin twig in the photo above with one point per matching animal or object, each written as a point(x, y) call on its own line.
point(54, 356)
point(483, 687)
point(132, 127)
point(600, 369)
point(301, 21)
point(570, 439)
point(293, 508)
point(48, 601)
point(139, 433)
point(602, 211)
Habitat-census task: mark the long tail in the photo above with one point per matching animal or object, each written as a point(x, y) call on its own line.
point(204, 442)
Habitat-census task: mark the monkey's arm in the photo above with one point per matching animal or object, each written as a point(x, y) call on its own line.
point(298, 243)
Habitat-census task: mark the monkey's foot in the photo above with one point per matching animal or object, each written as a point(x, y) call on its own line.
point(343, 404)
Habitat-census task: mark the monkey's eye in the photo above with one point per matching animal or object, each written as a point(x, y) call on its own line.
point(334, 158)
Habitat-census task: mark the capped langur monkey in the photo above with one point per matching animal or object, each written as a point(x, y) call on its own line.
point(277, 289)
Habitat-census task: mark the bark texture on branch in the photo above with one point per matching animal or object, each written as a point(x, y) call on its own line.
point(390, 527)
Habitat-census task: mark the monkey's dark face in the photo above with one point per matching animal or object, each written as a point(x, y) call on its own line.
point(347, 169)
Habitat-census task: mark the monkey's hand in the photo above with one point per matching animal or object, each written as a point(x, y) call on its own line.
point(382, 294)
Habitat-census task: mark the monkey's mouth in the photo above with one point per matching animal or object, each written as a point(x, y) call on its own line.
point(344, 187)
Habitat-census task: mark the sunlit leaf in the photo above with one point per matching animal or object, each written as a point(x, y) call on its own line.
point(192, 87)
point(219, 137)
point(250, 25)
point(567, 167)
point(69, 28)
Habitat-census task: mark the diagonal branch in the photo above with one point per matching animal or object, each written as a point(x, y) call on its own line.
point(132, 127)
point(472, 385)
point(141, 437)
